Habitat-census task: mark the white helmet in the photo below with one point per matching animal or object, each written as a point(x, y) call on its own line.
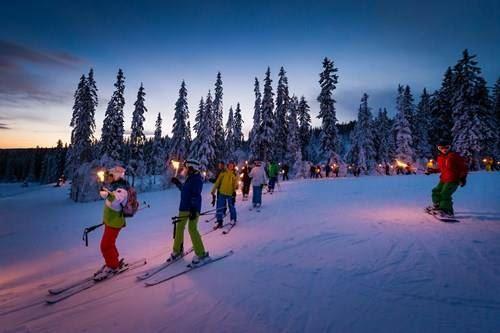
point(193, 164)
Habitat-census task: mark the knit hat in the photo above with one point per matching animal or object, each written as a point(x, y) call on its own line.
point(193, 164)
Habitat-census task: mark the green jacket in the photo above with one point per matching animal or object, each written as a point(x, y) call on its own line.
point(273, 170)
point(112, 215)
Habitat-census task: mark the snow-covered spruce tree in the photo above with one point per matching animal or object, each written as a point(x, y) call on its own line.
point(230, 139)
point(204, 143)
point(199, 117)
point(112, 129)
point(294, 151)
point(179, 144)
point(362, 151)
point(441, 120)
point(253, 136)
point(329, 136)
point(402, 131)
point(470, 111)
point(304, 126)
point(282, 105)
point(422, 125)
point(409, 107)
point(73, 159)
point(383, 137)
point(137, 140)
point(496, 110)
point(218, 116)
point(158, 154)
point(238, 128)
point(266, 132)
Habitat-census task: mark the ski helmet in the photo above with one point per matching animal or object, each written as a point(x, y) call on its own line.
point(192, 163)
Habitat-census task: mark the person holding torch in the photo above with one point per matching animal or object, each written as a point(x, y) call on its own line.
point(453, 171)
point(115, 195)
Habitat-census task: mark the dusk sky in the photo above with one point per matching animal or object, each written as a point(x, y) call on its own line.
point(45, 46)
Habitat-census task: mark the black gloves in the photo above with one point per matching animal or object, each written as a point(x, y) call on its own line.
point(463, 181)
point(193, 214)
point(213, 199)
point(177, 182)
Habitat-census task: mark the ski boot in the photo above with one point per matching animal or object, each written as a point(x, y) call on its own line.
point(199, 260)
point(105, 273)
point(174, 256)
point(432, 209)
point(444, 214)
point(218, 225)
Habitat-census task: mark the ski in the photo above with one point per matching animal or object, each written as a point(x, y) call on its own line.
point(187, 269)
point(69, 285)
point(228, 228)
point(442, 219)
point(89, 283)
point(150, 272)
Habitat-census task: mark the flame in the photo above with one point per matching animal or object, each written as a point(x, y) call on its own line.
point(401, 164)
point(100, 175)
point(176, 164)
point(241, 175)
point(204, 173)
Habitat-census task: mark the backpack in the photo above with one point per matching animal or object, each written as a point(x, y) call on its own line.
point(132, 205)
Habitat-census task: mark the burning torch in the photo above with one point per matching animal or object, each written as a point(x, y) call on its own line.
point(176, 165)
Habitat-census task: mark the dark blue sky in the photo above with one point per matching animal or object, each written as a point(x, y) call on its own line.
point(45, 46)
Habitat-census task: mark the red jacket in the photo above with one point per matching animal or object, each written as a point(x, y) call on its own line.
point(452, 167)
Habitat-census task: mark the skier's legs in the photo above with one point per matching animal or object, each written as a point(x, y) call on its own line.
point(179, 231)
point(436, 193)
point(108, 246)
point(221, 207)
point(257, 195)
point(198, 247)
point(446, 203)
point(232, 209)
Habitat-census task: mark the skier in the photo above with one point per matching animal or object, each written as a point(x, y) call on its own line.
point(328, 169)
point(226, 186)
point(189, 212)
point(285, 169)
point(272, 171)
point(453, 173)
point(115, 198)
point(259, 179)
point(245, 178)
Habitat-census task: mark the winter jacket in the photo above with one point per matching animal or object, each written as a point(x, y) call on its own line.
point(226, 183)
point(452, 167)
point(273, 170)
point(191, 193)
point(258, 176)
point(116, 198)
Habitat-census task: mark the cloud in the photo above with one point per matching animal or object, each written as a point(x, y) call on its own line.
point(20, 81)
point(4, 126)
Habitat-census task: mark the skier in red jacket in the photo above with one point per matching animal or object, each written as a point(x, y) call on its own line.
point(453, 170)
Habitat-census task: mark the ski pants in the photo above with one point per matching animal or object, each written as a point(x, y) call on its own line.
point(108, 246)
point(198, 247)
point(222, 199)
point(272, 182)
point(257, 195)
point(246, 188)
point(441, 196)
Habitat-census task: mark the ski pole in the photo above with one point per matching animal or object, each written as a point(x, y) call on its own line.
point(86, 232)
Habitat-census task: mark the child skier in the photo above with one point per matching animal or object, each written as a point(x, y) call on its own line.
point(453, 173)
point(115, 198)
point(259, 179)
point(245, 178)
point(189, 211)
point(225, 186)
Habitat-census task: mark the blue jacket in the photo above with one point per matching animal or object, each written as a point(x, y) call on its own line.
point(191, 193)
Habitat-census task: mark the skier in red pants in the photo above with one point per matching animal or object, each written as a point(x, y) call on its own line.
point(453, 174)
point(113, 219)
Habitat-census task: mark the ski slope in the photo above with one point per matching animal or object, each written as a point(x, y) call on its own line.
point(326, 255)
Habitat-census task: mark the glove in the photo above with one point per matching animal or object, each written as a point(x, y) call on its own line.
point(463, 181)
point(213, 199)
point(175, 181)
point(193, 214)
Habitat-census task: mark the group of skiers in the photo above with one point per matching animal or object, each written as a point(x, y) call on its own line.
point(450, 164)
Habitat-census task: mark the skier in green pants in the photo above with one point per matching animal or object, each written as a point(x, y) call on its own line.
point(453, 174)
point(189, 212)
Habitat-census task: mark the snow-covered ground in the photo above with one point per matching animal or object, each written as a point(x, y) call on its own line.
point(336, 255)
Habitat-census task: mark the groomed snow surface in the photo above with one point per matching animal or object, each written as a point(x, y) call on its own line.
point(335, 255)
